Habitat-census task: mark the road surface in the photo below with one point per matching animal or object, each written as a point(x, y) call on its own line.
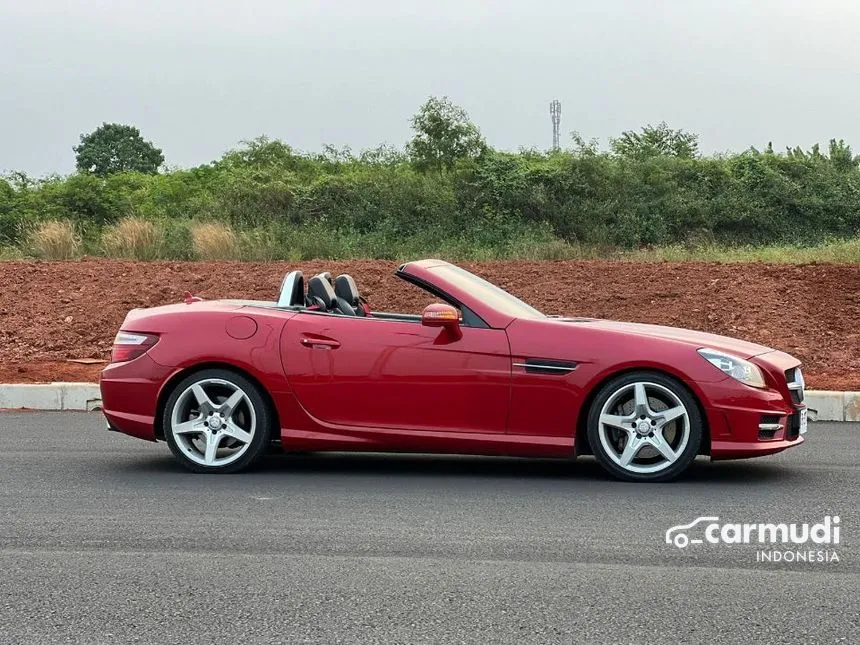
point(104, 539)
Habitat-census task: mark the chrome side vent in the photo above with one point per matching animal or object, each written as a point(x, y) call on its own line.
point(547, 366)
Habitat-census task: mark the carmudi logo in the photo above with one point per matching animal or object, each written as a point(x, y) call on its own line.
point(815, 536)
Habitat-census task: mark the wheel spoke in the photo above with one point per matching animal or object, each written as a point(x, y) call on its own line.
point(203, 399)
point(189, 427)
point(212, 442)
point(667, 416)
point(641, 399)
point(662, 446)
point(230, 404)
point(631, 449)
point(616, 421)
point(234, 431)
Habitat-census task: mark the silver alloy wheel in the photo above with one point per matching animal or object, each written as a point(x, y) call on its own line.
point(644, 427)
point(213, 422)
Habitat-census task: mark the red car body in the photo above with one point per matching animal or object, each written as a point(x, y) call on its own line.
point(498, 386)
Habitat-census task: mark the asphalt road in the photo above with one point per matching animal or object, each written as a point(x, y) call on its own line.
point(103, 539)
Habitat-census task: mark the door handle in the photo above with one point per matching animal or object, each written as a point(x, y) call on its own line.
point(320, 343)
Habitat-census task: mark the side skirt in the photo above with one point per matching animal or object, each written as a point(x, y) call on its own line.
point(310, 434)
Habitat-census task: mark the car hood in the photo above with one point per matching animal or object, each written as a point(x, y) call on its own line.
point(698, 339)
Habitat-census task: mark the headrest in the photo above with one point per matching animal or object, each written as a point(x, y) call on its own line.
point(345, 287)
point(320, 289)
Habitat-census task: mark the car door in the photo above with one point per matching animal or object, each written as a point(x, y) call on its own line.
point(397, 374)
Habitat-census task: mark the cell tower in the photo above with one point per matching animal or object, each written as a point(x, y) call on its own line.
point(555, 115)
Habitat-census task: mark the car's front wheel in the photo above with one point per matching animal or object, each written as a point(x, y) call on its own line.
point(645, 426)
point(216, 421)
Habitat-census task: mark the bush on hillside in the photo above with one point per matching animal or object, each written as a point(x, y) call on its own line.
point(385, 202)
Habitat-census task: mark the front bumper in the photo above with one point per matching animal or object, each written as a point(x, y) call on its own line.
point(749, 422)
point(734, 450)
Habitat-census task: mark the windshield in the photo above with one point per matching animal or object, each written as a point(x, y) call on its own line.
point(487, 292)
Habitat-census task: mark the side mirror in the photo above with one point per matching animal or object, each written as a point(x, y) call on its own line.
point(440, 315)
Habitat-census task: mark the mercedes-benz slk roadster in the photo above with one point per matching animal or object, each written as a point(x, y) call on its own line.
point(479, 372)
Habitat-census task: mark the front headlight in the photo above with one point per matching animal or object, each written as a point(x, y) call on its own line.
point(734, 366)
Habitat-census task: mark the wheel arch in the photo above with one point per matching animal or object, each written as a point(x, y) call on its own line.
point(171, 383)
point(582, 445)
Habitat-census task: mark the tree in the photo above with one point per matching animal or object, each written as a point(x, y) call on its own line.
point(656, 141)
point(20, 180)
point(260, 152)
point(114, 148)
point(382, 155)
point(443, 134)
point(841, 156)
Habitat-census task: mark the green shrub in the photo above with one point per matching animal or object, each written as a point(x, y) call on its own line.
point(12, 229)
point(283, 204)
point(178, 243)
point(248, 198)
point(261, 245)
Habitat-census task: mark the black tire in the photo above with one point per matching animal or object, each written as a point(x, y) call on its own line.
point(694, 421)
point(254, 406)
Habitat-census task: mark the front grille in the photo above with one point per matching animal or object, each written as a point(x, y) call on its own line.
point(796, 384)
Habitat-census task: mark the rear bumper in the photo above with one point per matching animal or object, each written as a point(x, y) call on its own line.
point(130, 395)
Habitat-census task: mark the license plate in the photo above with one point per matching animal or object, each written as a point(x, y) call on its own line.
point(803, 422)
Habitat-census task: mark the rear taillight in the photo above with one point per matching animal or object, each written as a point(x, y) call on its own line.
point(129, 345)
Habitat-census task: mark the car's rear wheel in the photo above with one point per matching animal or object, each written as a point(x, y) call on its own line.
point(645, 426)
point(216, 421)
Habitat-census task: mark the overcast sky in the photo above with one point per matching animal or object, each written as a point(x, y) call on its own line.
point(198, 76)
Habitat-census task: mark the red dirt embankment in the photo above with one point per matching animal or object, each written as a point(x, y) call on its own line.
point(53, 311)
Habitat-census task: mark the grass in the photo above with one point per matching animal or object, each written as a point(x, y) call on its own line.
point(133, 237)
point(214, 241)
point(143, 239)
point(11, 253)
point(833, 251)
point(54, 240)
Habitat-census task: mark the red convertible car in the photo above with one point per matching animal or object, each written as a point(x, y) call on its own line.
point(481, 372)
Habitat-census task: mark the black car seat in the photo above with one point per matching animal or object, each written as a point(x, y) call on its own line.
point(321, 295)
point(347, 291)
